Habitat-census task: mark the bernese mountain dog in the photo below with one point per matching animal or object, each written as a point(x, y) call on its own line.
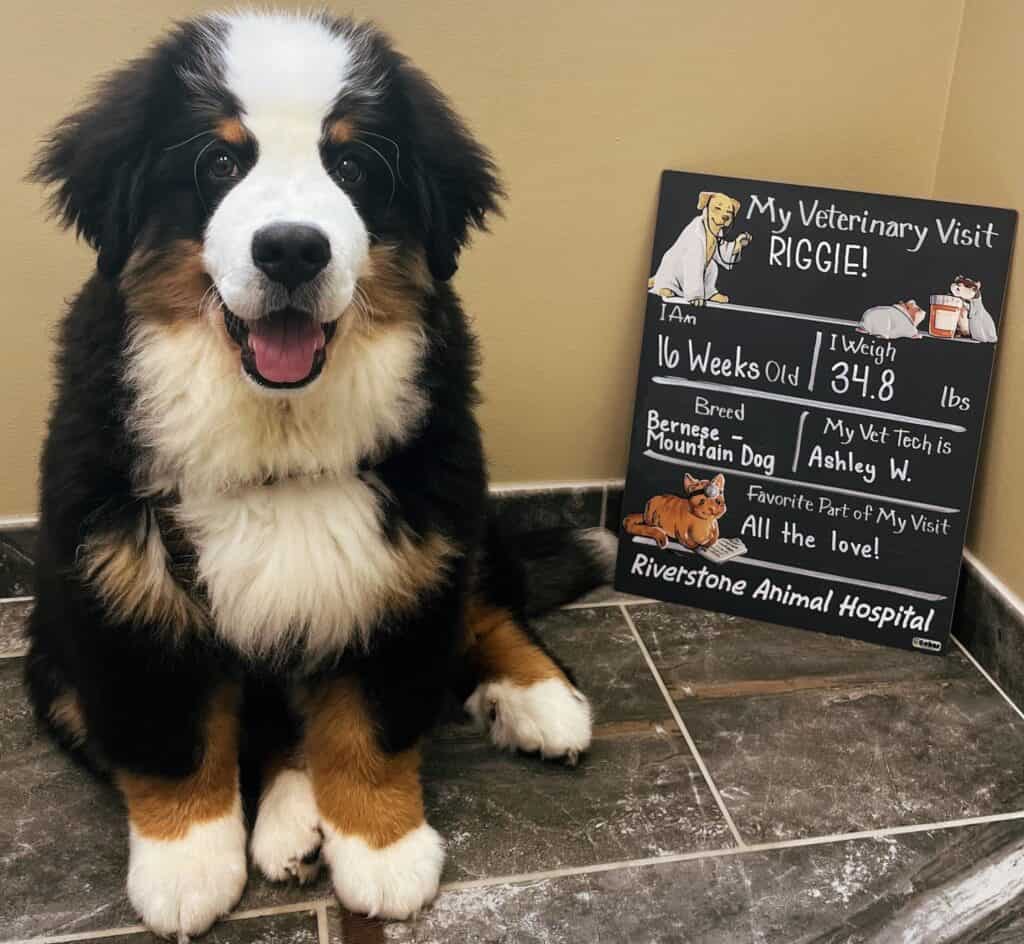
point(266, 552)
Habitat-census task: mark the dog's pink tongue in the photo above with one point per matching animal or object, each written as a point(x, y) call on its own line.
point(284, 346)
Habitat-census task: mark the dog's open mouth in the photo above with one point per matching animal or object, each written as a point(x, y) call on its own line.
point(287, 348)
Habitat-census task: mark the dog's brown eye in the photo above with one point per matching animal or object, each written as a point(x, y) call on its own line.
point(222, 166)
point(348, 171)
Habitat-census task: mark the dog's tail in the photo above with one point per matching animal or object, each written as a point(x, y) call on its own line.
point(533, 572)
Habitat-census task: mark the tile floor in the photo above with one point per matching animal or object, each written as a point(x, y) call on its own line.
point(747, 784)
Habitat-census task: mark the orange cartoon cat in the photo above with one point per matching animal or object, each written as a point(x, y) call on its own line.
point(690, 518)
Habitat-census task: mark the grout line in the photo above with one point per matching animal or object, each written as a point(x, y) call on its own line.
point(27, 599)
point(322, 934)
point(683, 729)
point(991, 680)
point(604, 506)
point(636, 601)
point(309, 904)
point(313, 906)
point(730, 851)
point(507, 488)
point(320, 905)
point(80, 935)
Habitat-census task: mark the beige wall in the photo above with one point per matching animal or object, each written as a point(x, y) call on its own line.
point(583, 106)
point(981, 160)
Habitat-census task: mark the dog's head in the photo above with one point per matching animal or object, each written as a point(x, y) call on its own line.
point(256, 170)
point(721, 209)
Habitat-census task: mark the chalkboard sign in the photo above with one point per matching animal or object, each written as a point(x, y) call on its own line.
point(812, 390)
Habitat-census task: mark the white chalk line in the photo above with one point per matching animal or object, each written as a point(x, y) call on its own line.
point(804, 572)
point(805, 401)
point(798, 315)
point(814, 359)
point(873, 496)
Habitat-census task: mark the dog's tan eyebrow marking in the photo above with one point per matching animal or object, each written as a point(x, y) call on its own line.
point(340, 131)
point(232, 131)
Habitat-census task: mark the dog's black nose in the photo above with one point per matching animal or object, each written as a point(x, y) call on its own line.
point(290, 253)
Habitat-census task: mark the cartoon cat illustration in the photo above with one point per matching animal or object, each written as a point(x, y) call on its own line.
point(975, 321)
point(690, 518)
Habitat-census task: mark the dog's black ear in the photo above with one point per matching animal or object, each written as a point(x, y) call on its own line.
point(454, 180)
point(96, 160)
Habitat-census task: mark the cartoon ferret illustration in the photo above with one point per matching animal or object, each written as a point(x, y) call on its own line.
point(893, 321)
point(975, 322)
point(689, 268)
point(690, 518)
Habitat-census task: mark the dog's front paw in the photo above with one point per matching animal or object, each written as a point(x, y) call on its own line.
point(180, 887)
point(394, 881)
point(549, 717)
point(286, 838)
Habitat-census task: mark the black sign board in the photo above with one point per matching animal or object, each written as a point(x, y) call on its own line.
point(812, 390)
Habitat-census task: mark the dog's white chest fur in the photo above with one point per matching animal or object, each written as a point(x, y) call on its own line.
point(302, 560)
point(297, 562)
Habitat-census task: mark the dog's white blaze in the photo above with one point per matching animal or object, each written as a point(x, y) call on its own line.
point(285, 71)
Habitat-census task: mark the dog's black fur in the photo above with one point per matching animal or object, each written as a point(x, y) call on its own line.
point(123, 169)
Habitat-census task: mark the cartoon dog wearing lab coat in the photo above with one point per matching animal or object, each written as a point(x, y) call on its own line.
point(689, 269)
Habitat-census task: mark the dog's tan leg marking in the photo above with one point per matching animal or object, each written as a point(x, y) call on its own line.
point(522, 696)
point(385, 859)
point(187, 837)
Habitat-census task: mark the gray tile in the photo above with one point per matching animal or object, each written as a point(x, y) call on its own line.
point(16, 570)
point(922, 888)
point(701, 654)
point(13, 617)
point(63, 836)
point(295, 928)
point(603, 596)
point(598, 646)
point(813, 735)
point(25, 539)
point(637, 793)
point(534, 510)
point(992, 631)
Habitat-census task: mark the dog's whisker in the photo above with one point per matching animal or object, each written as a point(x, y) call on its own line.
point(387, 164)
point(398, 151)
point(173, 147)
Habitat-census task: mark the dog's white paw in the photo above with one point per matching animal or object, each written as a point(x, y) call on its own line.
point(550, 717)
point(393, 882)
point(286, 838)
point(180, 887)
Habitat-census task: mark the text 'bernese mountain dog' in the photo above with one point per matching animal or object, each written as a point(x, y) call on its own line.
point(265, 543)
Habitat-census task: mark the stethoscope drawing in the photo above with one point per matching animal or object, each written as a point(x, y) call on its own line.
point(718, 238)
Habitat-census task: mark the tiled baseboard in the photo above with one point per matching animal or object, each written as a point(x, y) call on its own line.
point(989, 619)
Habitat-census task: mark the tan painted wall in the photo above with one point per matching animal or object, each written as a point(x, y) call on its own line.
point(981, 160)
point(583, 104)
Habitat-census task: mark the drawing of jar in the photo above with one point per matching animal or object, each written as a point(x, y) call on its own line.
point(945, 312)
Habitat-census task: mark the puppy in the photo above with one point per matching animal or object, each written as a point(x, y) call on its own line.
point(689, 268)
point(264, 542)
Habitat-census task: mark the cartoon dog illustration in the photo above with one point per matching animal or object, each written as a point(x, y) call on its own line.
point(689, 269)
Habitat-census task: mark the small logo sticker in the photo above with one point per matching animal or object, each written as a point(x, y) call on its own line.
point(932, 645)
